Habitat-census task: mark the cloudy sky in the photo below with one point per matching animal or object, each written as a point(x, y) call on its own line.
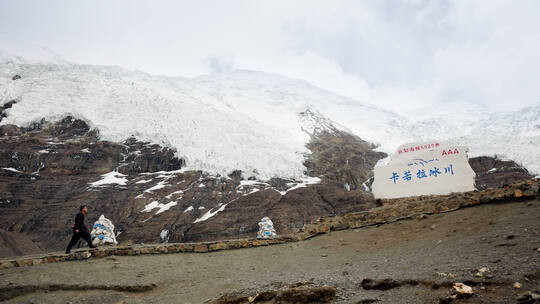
point(402, 55)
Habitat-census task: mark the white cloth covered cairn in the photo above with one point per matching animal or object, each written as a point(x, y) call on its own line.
point(103, 232)
point(266, 229)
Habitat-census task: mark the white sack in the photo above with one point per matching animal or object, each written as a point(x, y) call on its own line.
point(266, 229)
point(103, 232)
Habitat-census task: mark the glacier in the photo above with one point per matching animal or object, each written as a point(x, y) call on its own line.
point(245, 120)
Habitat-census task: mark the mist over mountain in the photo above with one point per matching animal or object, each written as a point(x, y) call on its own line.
point(15, 50)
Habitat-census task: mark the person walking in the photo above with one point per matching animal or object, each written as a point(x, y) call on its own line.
point(80, 230)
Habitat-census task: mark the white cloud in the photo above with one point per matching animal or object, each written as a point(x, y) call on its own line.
point(402, 55)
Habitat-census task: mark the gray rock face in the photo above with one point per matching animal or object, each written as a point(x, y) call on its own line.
point(492, 172)
point(343, 159)
point(142, 157)
point(4, 107)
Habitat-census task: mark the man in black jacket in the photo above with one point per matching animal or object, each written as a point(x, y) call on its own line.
point(80, 230)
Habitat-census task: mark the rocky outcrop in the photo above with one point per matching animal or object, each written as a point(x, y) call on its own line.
point(342, 158)
point(492, 172)
point(146, 157)
point(4, 107)
point(297, 293)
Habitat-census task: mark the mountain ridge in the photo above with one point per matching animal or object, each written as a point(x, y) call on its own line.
point(219, 122)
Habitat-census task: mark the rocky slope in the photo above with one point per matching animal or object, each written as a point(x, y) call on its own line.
point(489, 247)
point(49, 169)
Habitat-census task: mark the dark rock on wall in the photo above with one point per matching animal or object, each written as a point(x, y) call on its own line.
point(493, 172)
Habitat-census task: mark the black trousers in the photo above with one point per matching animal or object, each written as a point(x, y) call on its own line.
point(75, 238)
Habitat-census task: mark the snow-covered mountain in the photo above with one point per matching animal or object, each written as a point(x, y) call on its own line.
point(245, 120)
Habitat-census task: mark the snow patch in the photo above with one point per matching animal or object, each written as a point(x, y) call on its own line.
point(162, 207)
point(149, 207)
point(365, 185)
point(159, 185)
point(143, 181)
point(304, 182)
point(175, 192)
point(12, 170)
point(110, 178)
point(164, 236)
point(39, 169)
point(210, 214)
point(165, 207)
point(188, 209)
point(251, 183)
point(164, 173)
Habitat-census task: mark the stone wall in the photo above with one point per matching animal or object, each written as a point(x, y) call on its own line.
point(390, 211)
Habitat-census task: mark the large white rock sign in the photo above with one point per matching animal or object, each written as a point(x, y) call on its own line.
point(423, 169)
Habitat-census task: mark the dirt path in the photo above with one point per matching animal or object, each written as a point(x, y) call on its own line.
point(503, 238)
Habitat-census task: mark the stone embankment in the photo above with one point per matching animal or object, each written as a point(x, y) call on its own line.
point(389, 211)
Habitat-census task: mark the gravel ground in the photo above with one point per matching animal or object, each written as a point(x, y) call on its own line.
point(502, 237)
